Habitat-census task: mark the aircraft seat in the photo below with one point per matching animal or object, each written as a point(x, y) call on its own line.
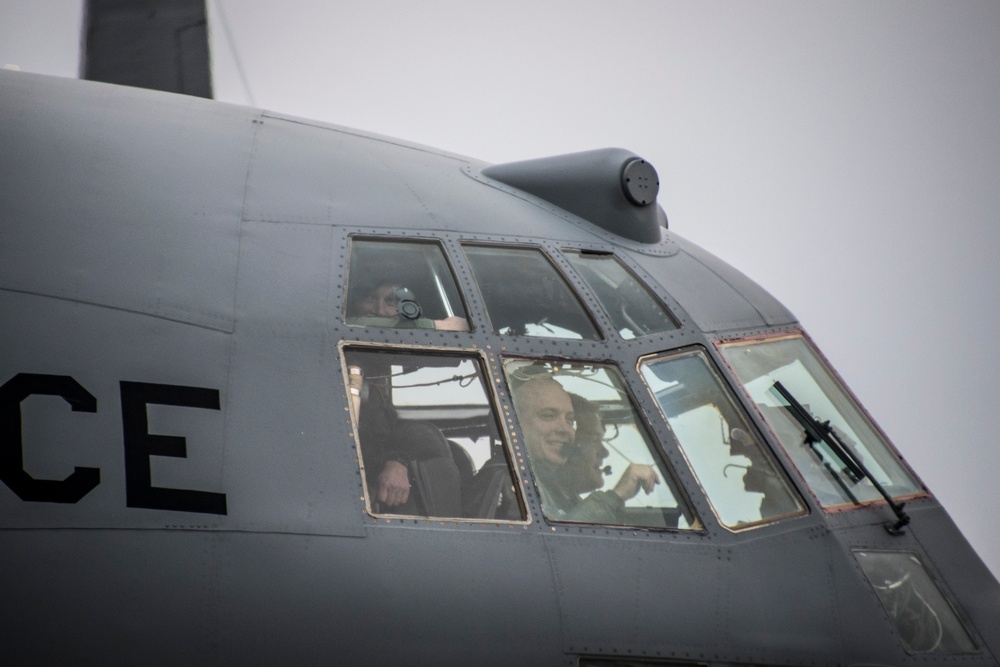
point(436, 476)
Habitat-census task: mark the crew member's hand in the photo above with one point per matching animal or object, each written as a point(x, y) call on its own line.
point(636, 476)
point(393, 484)
point(452, 324)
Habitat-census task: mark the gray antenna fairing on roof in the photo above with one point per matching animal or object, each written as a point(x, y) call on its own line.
point(610, 187)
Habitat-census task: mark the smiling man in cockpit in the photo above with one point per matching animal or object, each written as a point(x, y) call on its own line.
point(567, 461)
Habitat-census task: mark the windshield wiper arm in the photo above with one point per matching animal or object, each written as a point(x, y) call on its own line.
point(817, 431)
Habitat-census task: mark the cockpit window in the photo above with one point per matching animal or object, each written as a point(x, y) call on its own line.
point(738, 474)
point(631, 306)
point(589, 452)
point(526, 296)
point(429, 438)
point(402, 284)
point(767, 368)
point(924, 619)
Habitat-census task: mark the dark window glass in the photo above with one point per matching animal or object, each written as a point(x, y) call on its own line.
point(429, 438)
point(402, 284)
point(926, 623)
point(631, 306)
point(526, 296)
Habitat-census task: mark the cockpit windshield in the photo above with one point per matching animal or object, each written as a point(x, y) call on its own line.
point(791, 362)
point(589, 452)
point(735, 469)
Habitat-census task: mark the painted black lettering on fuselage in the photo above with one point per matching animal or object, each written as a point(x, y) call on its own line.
point(139, 444)
point(82, 480)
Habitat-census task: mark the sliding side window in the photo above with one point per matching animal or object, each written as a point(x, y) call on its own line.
point(402, 284)
point(429, 435)
point(526, 295)
point(591, 457)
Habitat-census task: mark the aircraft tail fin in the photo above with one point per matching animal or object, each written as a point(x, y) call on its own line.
point(156, 44)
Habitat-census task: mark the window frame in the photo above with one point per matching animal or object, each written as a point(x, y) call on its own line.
point(449, 264)
point(652, 443)
point(631, 273)
point(570, 281)
point(851, 402)
point(765, 446)
point(515, 464)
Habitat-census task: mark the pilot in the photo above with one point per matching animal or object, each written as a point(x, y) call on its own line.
point(584, 470)
point(566, 456)
point(385, 305)
point(761, 477)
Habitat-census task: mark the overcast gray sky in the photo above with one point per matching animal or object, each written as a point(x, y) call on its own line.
point(844, 155)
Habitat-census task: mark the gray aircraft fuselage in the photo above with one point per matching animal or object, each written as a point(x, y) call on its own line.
point(180, 476)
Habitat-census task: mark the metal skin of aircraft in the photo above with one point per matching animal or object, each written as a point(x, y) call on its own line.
point(184, 470)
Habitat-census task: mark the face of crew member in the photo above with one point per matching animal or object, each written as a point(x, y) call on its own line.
point(584, 466)
point(381, 302)
point(546, 415)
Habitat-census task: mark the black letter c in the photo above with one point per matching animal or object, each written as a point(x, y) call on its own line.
point(82, 480)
